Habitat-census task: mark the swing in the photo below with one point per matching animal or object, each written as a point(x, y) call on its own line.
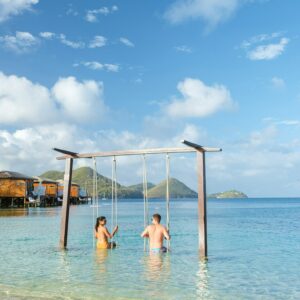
point(146, 201)
point(114, 198)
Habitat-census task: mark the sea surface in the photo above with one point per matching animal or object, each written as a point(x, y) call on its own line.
point(253, 248)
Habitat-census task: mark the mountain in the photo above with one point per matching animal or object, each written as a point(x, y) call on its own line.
point(54, 175)
point(84, 177)
point(177, 190)
point(139, 187)
point(228, 194)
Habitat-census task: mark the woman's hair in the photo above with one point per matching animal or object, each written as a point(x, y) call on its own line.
point(98, 220)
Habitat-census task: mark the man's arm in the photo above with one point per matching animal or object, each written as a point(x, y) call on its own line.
point(166, 234)
point(145, 233)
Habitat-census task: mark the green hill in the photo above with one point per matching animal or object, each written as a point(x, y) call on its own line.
point(54, 175)
point(228, 194)
point(176, 187)
point(84, 177)
point(139, 187)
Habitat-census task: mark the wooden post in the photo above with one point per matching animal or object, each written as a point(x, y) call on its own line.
point(66, 203)
point(202, 204)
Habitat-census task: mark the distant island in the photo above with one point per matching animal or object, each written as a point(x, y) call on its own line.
point(84, 177)
point(228, 194)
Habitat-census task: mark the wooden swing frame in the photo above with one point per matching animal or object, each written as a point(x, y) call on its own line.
point(201, 171)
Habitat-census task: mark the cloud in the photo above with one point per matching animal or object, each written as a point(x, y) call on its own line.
point(289, 122)
point(98, 42)
point(268, 52)
point(72, 44)
point(211, 12)
point(69, 100)
point(95, 65)
point(47, 35)
point(183, 48)
point(199, 100)
point(10, 8)
point(255, 50)
point(21, 42)
point(278, 83)
point(92, 15)
point(126, 42)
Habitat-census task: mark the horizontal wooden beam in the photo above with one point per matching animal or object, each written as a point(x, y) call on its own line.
point(130, 152)
point(192, 148)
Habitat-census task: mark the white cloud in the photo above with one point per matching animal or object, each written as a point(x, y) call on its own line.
point(24, 102)
point(72, 44)
point(199, 100)
point(112, 67)
point(10, 8)
point(212, 12)
point(97, 42)
point(269, 51)
point(126, 42)
point(258, 138)
point(47, 35)
point(289, 122)
point(278, 83)
point(80, 101)
point(21, 42)
point(256, 50)
point(95, 65)
point(92, 15)
point(183, 48)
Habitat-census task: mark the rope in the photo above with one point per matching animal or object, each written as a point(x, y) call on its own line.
point(93, 199)
point(95, 186)
point(145, 194)
point(168, 195)
point(114, 196)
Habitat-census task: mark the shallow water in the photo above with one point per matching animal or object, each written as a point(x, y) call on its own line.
point(254, 247)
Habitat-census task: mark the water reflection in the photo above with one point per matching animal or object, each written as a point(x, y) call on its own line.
point(14, 212)
point(157, 267)
point(202, 280)
point(101, 256)
point(64, 272)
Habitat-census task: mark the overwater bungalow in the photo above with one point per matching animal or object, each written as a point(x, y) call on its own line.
point(74, 194)
point(16, 189)
point(46, 191)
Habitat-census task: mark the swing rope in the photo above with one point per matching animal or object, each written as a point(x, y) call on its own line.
point(94, 195)
point(168, 195)
point(114, 197)
point(145, 194)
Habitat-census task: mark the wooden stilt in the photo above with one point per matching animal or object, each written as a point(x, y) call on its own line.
point(202, 204)
point(66, 203)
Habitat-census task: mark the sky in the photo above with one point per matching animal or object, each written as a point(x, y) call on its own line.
point(101, 75)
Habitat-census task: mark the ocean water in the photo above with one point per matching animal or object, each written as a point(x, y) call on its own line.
point(253, 247)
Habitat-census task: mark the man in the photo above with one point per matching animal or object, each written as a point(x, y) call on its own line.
point(156, 234)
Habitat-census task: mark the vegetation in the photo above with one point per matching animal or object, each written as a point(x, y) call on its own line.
point(177, 190)
point(228, 194)
point(84, 177)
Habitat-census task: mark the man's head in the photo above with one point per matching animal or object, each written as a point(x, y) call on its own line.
point(156, 218)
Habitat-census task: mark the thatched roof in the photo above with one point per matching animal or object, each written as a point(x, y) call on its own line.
point(14, 175)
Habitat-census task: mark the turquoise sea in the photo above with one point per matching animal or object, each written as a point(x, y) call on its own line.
point(253, 246)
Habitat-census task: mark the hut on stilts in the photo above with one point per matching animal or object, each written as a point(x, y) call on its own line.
point(15, 189)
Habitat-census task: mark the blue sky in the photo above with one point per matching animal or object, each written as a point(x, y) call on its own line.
point(103, 74)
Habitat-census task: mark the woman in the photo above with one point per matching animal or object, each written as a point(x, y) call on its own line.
point(102, 234)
